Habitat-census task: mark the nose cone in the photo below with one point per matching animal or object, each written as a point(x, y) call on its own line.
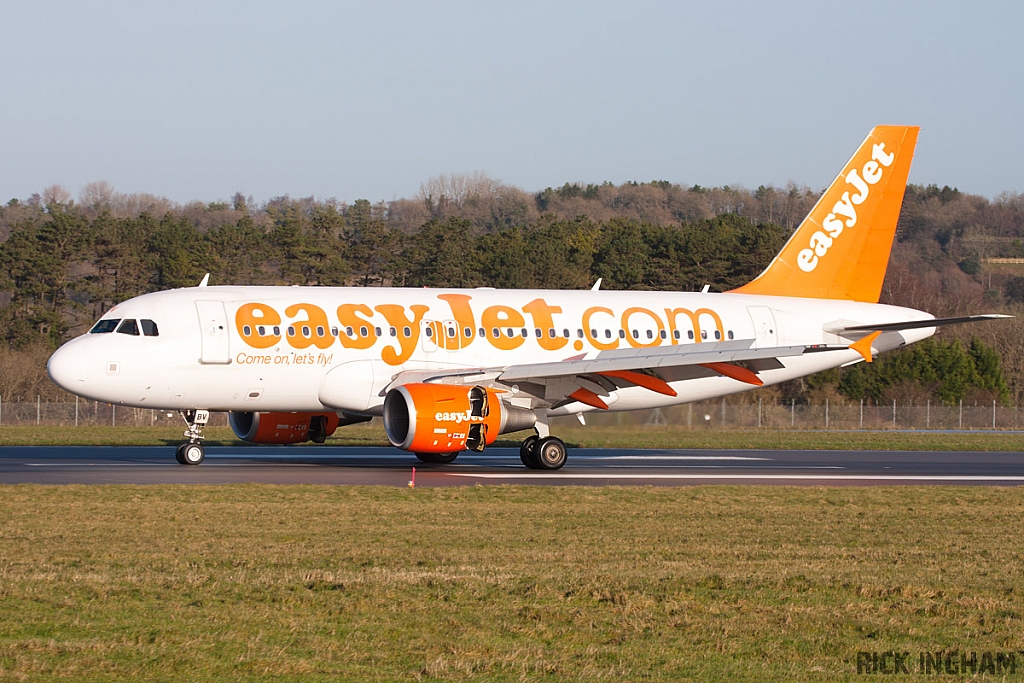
point(67, 369)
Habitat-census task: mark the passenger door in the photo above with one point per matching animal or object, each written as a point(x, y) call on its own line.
point(213, 325)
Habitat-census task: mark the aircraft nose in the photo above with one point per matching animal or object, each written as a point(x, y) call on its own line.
point(66, 368)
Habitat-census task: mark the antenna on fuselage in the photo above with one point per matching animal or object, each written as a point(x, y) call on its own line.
point(205, 280)
point(597, 285)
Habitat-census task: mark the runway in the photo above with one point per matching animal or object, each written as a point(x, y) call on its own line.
point(586, 467)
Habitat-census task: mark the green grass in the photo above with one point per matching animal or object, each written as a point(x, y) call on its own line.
point(574, 435)
point(499, 583)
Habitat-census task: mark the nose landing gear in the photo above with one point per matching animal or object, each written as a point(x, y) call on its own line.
point(191, 452)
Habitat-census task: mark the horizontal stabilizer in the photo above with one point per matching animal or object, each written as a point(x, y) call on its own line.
point(918, 324)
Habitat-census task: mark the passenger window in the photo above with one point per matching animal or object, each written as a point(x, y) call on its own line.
point(607, 333)
point(393, 332)
point(636, 334)
point(494, 332)
point(718, 334)
point(430, 332)
point(305, 330)
point(675, 334)
point(537, 332)
point(467, 332)
point(703, 334)
point(277, 331)
point(406, 331)
point(622, 334)
point(451, 332)
point(730, 334)
point(579, 333)
point(105, 326)
point(319, 330)
point(246, 330)
point(349, 332)
point(149, 328)
point(483, 333)
point(129, 326)
point(650, 334)
point(334, 332)
point(363, 331)
point(565, 333)
point(291, 331)
point(261, 331)
point(661, 333)
point(376, 331)
point(689, 334)
point(524, 333)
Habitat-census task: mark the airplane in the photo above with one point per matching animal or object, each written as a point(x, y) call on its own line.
point(449, 370)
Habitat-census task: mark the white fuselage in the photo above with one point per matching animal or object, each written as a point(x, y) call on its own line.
point(338, 349)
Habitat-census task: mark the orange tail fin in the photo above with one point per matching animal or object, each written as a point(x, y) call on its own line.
point(841, 249)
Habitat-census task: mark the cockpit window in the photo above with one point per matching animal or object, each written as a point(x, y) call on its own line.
point(149, 328)
point(105, 326)
point(129, 326)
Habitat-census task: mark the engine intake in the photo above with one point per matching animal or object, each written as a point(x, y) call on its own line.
point(445, 418)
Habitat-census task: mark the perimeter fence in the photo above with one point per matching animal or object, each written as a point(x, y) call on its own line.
point(717, 414)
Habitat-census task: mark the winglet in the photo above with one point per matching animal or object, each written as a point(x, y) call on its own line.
point(863, 345)
point(841, 249)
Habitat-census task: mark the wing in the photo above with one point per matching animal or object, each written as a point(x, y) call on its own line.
point(586, 380)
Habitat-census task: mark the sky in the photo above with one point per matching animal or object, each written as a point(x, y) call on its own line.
point(198, 100)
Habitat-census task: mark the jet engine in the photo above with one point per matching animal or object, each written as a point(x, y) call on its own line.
point(280, 428)
point(445, 418)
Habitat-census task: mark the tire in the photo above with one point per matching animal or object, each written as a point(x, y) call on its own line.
point(178, 456)
point(425, 457)
point(528, 452)
point(445, 458)
point(192, 453)
point(551, 453)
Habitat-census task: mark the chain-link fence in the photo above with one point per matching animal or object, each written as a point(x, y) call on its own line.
point(716, 414)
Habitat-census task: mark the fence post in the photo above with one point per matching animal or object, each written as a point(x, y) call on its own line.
point(1, 410)
point(894, 413)
point(152, 416)
point(723, 411)
point(37, 409)
point(961, 414)
point(792, 412)
point(862, 413)
point(76, 411)
point(689, 416)
point(993, 414)
point(113, 415)
point(826, 413)
point(758, 412)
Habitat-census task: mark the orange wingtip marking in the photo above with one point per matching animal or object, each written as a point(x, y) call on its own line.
point(734, 372)
point(841, 250)
point(654, 384)
point(863, 345)
point(588, 397)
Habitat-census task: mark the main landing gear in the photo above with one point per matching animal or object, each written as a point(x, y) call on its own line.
point(437, 458)
point(543, 452)
point(191, 452)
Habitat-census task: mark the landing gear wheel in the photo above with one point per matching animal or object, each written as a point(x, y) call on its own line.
point(528, 452)
point(437, 458)
point(192, 453)
point(550, 453)
point(178, 456)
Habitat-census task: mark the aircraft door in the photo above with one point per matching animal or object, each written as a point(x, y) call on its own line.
point(764, 326)
point(213, 326)
point(429, 330)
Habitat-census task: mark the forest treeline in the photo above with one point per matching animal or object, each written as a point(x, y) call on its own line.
point(63, 262)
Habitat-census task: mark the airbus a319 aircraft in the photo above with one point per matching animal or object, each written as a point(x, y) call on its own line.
point(451, 369)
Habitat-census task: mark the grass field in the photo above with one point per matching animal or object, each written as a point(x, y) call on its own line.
point(573, 433)
point(500, 583)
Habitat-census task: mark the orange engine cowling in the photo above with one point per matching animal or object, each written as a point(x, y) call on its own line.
point(446, 418)
point(279, 428)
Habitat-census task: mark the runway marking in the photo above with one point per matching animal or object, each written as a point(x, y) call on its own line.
point(665, 457)
point(809, 477)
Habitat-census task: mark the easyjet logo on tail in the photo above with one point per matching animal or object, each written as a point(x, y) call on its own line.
point(844, 211)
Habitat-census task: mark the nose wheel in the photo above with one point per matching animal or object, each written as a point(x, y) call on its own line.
point(192, 452)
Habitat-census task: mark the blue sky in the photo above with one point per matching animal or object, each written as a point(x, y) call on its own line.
point(198, 100)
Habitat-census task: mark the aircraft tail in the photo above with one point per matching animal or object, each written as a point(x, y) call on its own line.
point(841, 250)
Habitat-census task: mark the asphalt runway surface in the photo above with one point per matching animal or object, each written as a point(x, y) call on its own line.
point(586, 467)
